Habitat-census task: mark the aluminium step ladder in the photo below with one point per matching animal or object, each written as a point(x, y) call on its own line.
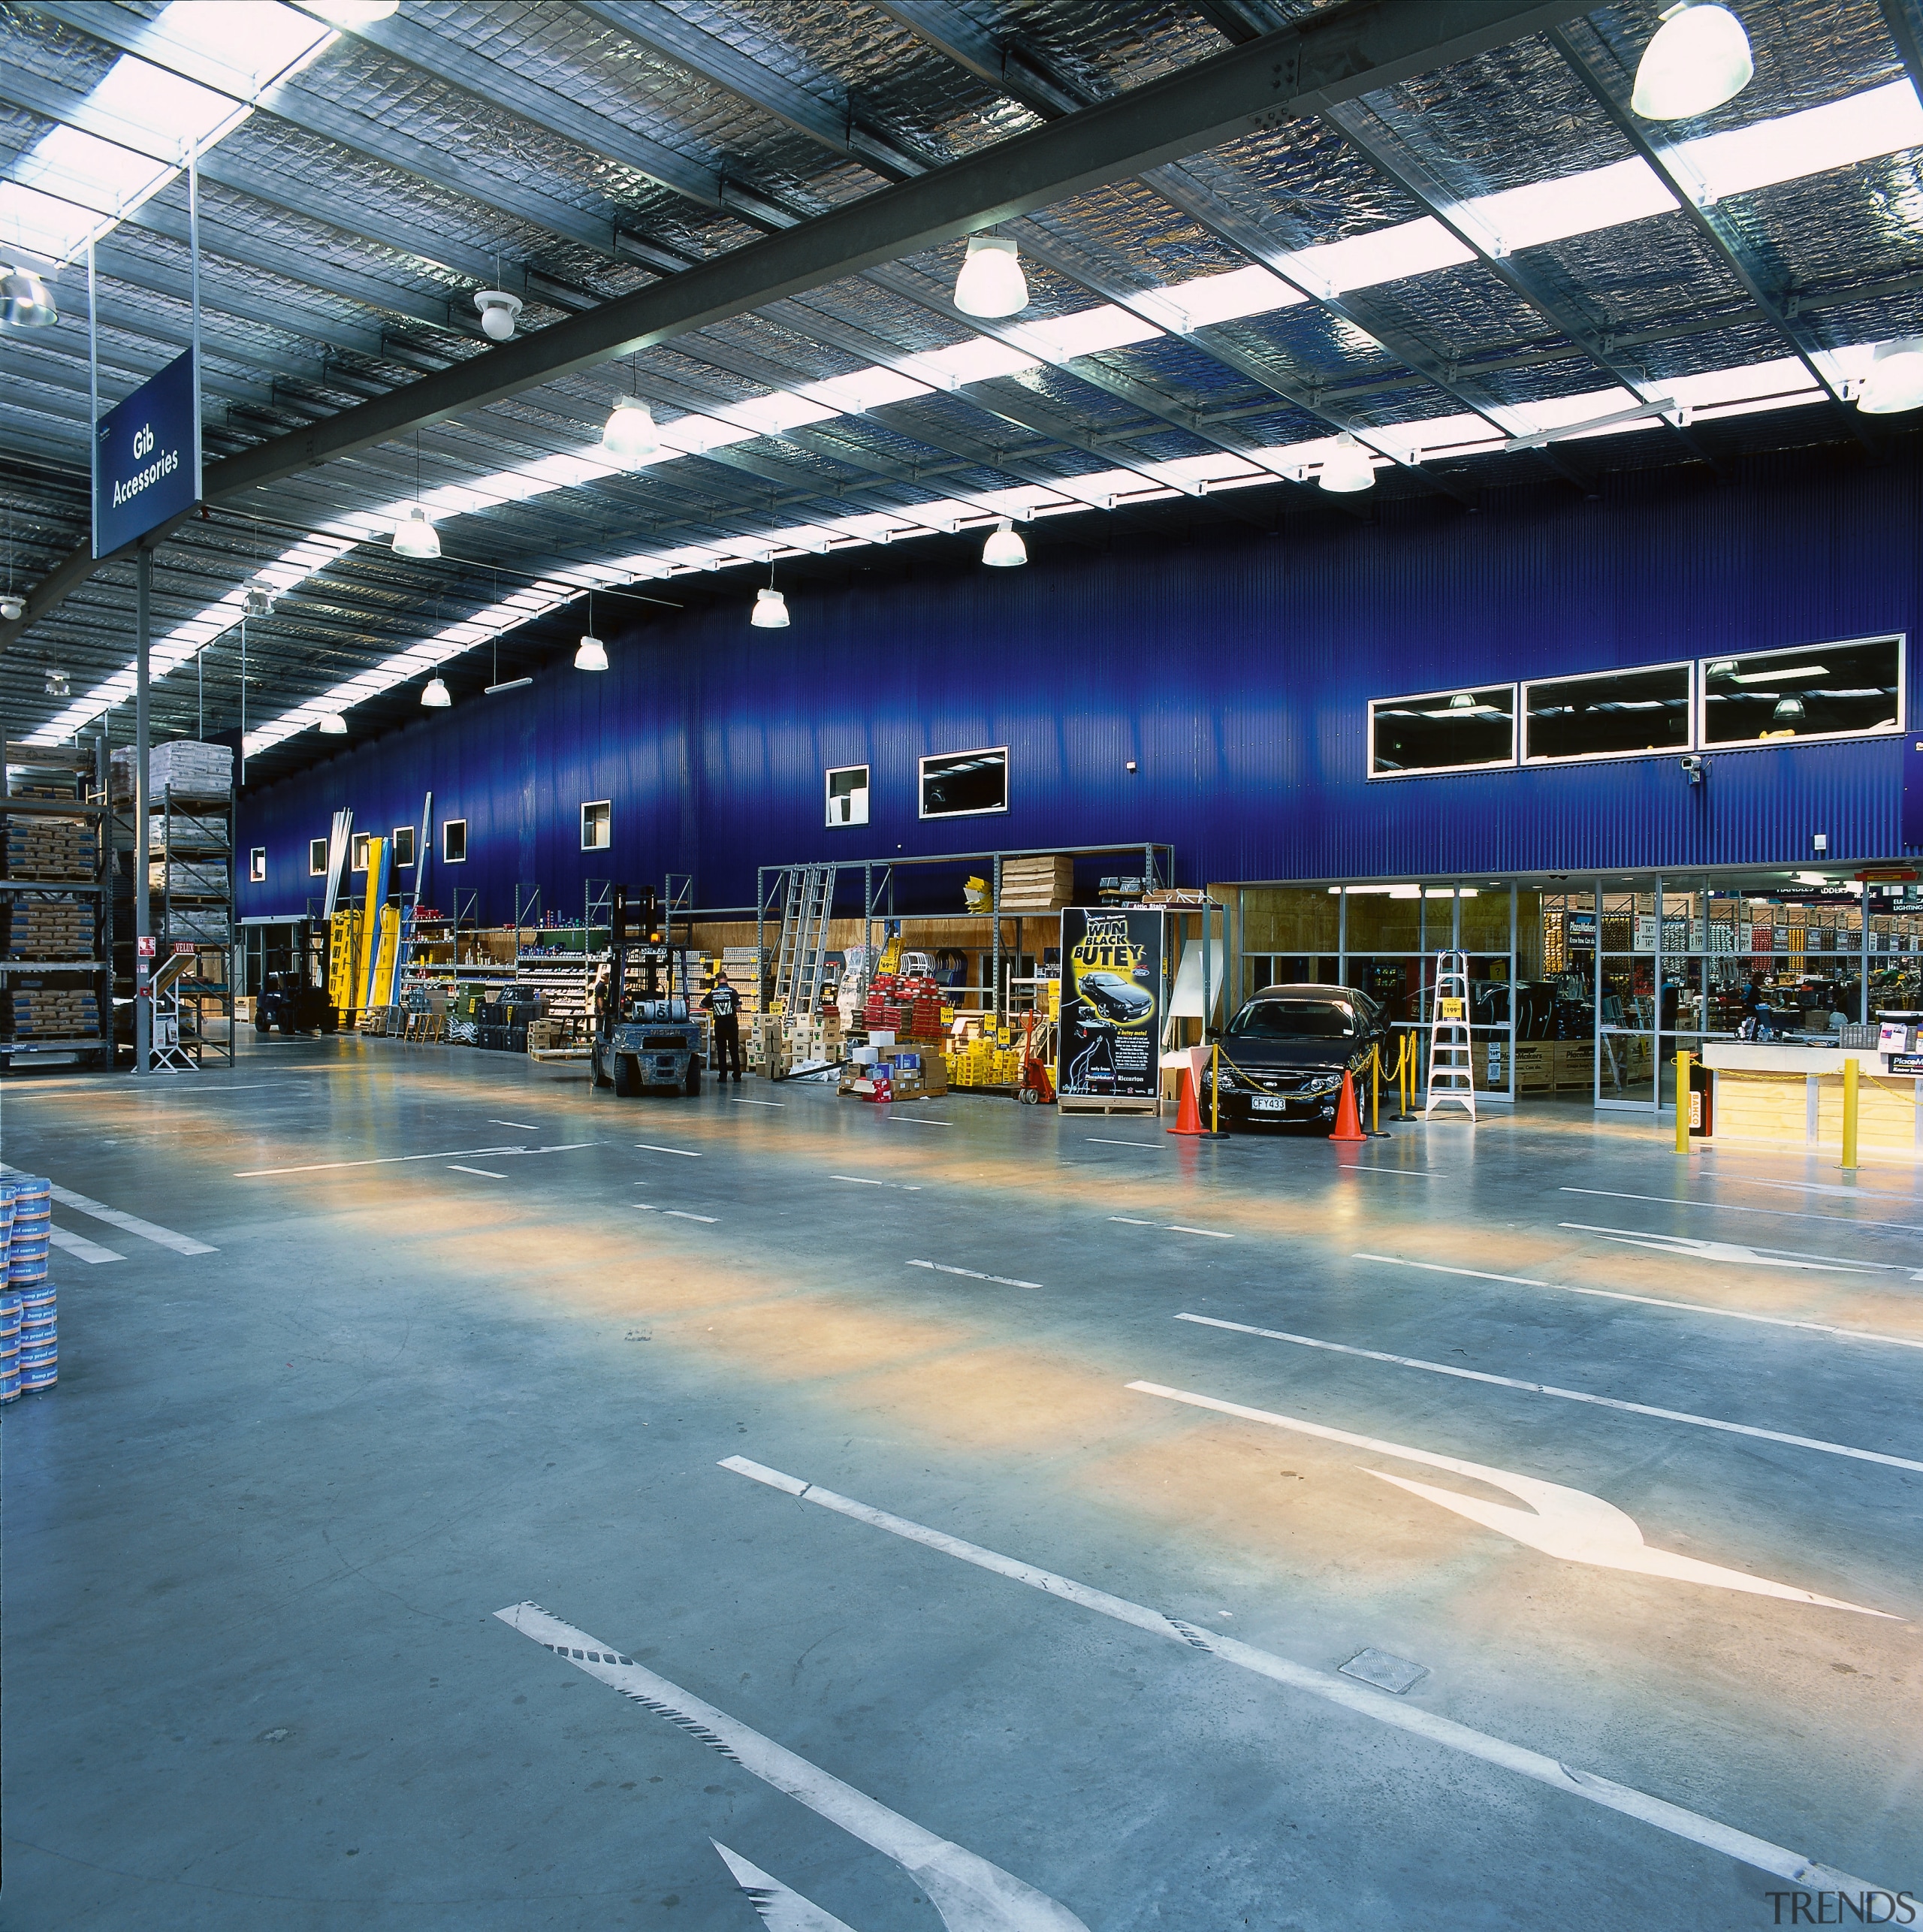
point(808, 905)
point(1451, 1060)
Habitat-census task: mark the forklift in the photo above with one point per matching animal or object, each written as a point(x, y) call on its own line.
point(649, 1043)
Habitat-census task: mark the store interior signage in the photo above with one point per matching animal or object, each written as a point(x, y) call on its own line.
point(147, 457)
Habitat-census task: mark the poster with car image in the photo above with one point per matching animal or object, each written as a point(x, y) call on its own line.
point(1112, 1004)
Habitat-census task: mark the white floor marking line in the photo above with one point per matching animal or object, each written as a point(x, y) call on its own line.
point(1732, 1251)
point(1649, 1301)
point(379, 1161)
point(1358, 1699)
point(917, 1120)
point(648, 1147)
point(1401, 1173)
point(1570, 1524)
point(148, 1230)
point(527, 1125)
point(80, 1247)
point(1736, 1180)
point(1780, 1214)
point(1565, 1394)
point(1147, 1146)
point(974, 1275)
point(862, 1180)
point(486, 1173)
point(1172, 1226)
point(782, 1909)
point(742, 1101)
point(682, 1214)
point(970, 1894)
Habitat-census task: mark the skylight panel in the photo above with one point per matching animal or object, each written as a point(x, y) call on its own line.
point(1226, 298)
point(864, 389)
point(255, 40)
point(1088, 332)
point(1883, 120)
point(95, 173)
point(166, 107)
point(770, 416)
point(1548, 211)
point(978, 360)
point(1385, 254)
point(42, 224)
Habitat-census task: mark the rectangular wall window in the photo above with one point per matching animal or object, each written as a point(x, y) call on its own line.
point(596, 826)
point(848, 796)
point(454, 841)
point(317, 858)
point(403, 845)
point(357, 853)
point(1818, 690)
point(958, 783)
point(257, 865)
point(1464, 730)
point(1607, 714)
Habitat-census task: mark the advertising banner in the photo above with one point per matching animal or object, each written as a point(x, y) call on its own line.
point(1112, 1001)
point(146, 467)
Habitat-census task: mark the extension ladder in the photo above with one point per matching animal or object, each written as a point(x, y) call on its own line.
point(1451, 1063)
point(807, 904)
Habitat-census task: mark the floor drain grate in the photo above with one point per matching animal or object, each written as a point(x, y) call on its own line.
point(1387, 1672)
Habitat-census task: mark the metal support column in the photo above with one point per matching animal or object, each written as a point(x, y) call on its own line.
point(142, 904)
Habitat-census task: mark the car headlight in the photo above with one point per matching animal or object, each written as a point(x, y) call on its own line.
point(1323, 1083)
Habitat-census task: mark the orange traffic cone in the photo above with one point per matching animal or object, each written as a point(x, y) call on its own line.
point(1348, 1122)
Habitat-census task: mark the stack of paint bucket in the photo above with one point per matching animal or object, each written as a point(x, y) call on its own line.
point(28, 1243)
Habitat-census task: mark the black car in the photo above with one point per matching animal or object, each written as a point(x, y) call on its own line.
point(289, 1002)
point(1115, 999)
point(1283, 1055)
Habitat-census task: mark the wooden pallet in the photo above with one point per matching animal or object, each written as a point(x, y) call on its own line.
point(1100, 1103)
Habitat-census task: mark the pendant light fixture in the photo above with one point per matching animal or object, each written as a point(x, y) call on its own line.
point(991, 283)
point(1788, 711)
point(1698, 59)
point(631, 437)
point(500, 311)
point(434, 694)
point(591, 654)
point(415, 535)
point(1346, 467)
point(25, 300)
point(771, 607)
point(11, 609)
point(1895, 381)
point(1004, 548)
point(332, 725)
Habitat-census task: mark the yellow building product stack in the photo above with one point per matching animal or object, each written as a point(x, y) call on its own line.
point(343, 949)
point(1036, 885)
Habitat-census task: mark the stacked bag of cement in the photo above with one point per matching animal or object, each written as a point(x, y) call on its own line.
point(190, 878)
point(193, 770)
point(51, 1013)
point(39, 848)
point(28, 1302)
point(47, 929)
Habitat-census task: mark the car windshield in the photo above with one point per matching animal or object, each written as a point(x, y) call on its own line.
point(1295, 1020)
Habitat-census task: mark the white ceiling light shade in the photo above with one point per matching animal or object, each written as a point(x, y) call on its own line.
point(10, 609)
point(1788, 711)
point(500, 311)
point(353, 13)
point(771, 609)
point(434, 694)
point(1698, 59)
point(332, 725)
point(590, 654)
point(1004, 548)
point(26, 301)
point(631, 437)
point(415, 536)
point(1346, 467)
point(1895, 381)
point(991, 283)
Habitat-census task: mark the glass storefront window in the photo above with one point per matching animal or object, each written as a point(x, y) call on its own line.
point(1462, 730)
point(1611, 714)
point(1822, 690)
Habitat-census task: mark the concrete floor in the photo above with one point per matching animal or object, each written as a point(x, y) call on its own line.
point(471, 1337)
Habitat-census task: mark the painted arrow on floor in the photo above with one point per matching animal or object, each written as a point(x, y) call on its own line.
point(1569, 1524)
point(1697, 1250)
point(782, 1909)
point(970, 1894)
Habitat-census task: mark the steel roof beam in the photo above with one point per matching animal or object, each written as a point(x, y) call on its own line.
point(825, 113)
point(1331, 55)
point(1726, 240)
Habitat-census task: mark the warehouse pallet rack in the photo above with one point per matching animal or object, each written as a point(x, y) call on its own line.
point(82, 773)
point(190, 881)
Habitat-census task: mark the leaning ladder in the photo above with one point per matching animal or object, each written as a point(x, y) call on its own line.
point(807, 905)
point(1451, 1061)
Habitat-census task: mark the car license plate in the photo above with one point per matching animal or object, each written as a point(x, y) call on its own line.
point(1269, 1103)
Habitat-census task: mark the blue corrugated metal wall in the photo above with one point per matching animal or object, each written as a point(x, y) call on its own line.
point(1234, 670)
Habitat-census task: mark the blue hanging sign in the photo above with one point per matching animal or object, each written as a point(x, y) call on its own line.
point(146, 468)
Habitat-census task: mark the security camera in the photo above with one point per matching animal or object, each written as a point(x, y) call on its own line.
point(1693, 768)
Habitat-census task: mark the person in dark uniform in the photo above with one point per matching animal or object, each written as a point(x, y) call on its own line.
point(724, 1005)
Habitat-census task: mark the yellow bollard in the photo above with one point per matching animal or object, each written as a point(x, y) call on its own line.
point(1376, 1090)
point(1682, 1103)
point(1215, 1088)
point(1849, 1069)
